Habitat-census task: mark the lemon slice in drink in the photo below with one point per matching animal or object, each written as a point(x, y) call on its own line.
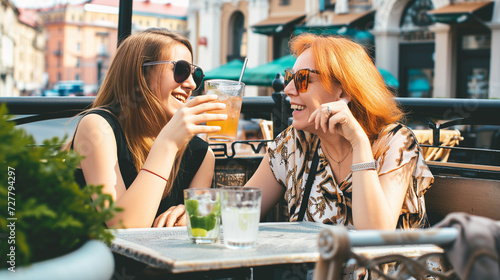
point(243, 221)
point(198, 232)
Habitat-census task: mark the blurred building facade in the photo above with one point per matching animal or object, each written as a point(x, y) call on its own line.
point(8, 19)
point(82, 39)
point(29, 54)
point(22, 51)
point(436, 48)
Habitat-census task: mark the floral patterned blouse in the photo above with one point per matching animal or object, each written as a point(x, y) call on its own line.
point(330, 202)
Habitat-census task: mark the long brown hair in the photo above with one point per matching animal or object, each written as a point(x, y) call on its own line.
point(342, 61)
point(125, 90)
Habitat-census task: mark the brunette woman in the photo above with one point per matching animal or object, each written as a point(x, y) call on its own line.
point(139, 139)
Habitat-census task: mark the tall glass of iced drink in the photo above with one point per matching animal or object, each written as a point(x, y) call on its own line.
point(230, 93)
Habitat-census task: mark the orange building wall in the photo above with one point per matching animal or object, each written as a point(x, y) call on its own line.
point(95, 32)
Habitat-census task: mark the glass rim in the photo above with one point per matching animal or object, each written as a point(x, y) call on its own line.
point(224, 81)
point(200, 189)
point(245, 189)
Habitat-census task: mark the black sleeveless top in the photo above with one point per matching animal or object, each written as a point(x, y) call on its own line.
point(190, 163)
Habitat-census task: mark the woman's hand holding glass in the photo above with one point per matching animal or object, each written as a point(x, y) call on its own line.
point(188, 120)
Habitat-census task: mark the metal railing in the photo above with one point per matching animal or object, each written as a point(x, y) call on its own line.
point(437, 114)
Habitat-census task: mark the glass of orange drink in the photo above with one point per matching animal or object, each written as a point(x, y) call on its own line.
point(230, 93)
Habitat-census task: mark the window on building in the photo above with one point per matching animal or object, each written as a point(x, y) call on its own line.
point(416, 51)
point(236, 31)
point(476, 42)
point(78, 46)
point(77, 77)
point(59, 76)
point(473, 63)
point(284, 2)
point(327, 5)
point(101, 49)
point(77, 63)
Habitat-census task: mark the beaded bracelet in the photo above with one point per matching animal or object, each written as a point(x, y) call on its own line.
point(147, 170)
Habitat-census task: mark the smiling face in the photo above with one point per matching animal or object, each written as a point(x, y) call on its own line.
point(172, 94)
point(305, 103)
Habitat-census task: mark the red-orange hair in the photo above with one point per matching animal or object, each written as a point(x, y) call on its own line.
point(342, 61)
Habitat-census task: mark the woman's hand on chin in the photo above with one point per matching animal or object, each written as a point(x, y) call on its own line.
point(336, 117)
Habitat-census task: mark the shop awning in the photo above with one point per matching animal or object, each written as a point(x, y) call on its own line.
point(350, 25)
point(273, 25)
point(319, 30)
point(228, 71)
point(354, 20)
point(361, 36)
point(264, 75)
point(462, 12)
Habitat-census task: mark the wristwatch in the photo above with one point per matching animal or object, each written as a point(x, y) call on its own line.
point(371, 165)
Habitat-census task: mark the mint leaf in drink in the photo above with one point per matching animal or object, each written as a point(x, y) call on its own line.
point(192, 207)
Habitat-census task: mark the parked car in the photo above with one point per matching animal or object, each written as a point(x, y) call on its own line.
point(69, 88)
point(50, 92)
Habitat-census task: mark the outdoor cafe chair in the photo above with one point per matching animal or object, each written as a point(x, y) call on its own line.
point(468, 247)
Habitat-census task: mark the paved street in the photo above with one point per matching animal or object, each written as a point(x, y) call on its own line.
point(51, 128)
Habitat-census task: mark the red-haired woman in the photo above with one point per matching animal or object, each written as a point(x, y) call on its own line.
point(365, 170)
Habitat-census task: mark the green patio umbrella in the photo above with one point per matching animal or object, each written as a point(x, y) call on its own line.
point(389, 79)
point(228, 71)
point(264, 75)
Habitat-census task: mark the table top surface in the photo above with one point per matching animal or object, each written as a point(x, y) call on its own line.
point(171, 249)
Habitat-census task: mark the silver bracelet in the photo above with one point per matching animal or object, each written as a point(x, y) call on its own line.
point(371, 165)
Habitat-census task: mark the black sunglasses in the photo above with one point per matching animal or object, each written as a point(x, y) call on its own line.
point(182, 70)
point(301, 78)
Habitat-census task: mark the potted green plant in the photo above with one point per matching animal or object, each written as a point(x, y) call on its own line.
point(48, 224)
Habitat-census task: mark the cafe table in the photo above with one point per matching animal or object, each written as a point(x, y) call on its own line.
point(170, 250)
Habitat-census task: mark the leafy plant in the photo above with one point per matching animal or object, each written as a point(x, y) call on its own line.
point(43, 212)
